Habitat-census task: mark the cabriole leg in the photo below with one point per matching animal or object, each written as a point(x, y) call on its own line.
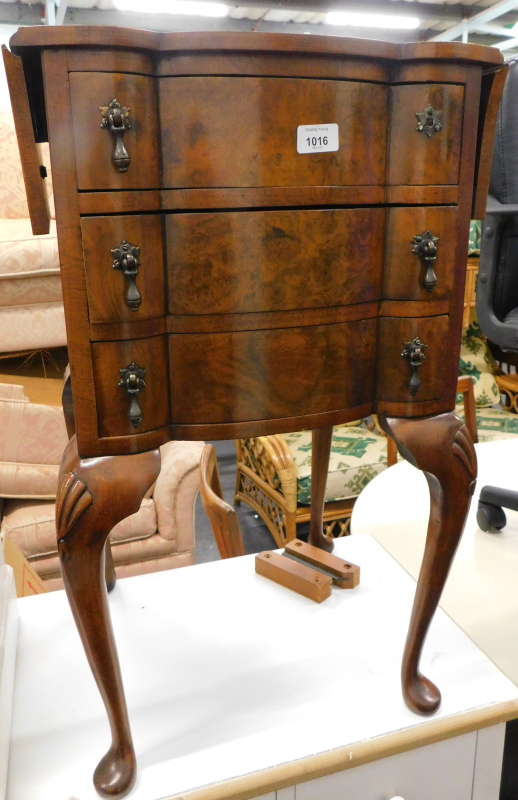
point(320, 451)
point(442, 447)
point(93, 495)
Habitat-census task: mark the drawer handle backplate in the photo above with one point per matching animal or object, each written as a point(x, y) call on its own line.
point(425, 245)
point(132, 380)
point(429, 121)
point(127, 259)
point(115, 119)
point(414, 353)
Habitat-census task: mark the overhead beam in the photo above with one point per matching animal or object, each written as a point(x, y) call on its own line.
point(20, 14)
point(484, 16)
point(61, 11)
point(494, 30)
point(25, 13)
point(507, 44)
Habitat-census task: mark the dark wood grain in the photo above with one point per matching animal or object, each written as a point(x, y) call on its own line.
point(93, 496)
point(264, 196)
point(422, 195)
point(61, 136)
point(394, 372)
point(138, 329)
point(491, 94)
point(30, 155)
point(404, 272)
point(94, 145)
point(106, 286)
point(413, 308)
point(85, 36)
point(429, 71)
point(119, 202)
point(220, 323)
point(264, 427)
point(435, 159)
point(237, 377)
point(321, 440)
point(98, 59)
point(207, 140)
point(443, 449)
point(278, 65)
point(112, 400)
point(238, 262)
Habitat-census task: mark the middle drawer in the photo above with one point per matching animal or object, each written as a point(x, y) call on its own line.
point(240, 261)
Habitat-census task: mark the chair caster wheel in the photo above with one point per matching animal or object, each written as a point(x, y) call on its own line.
point(490, 518)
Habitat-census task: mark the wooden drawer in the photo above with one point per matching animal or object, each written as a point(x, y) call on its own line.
point(268, 374)
point(414, 157)
point(405, 271)
point(442, 770)
point(394, 371)
point(94, 145)
point(224, 131)
point(233, 262)
point(113, 401)
point(112, 295)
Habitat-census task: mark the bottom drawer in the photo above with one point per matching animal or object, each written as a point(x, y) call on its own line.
point(398, 382)
point(239, 376)
point(114, 401)
point(440, 771)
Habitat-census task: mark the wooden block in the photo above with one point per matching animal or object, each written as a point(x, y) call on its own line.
point(294, 576)
point(345, 575)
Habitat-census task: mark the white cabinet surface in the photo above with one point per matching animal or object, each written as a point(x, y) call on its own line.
point(237, 687)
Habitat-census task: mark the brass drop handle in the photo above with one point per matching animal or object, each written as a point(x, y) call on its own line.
point(127, 259)
point(132, 380)
point(414, 354)
point(425, 245)
point(115, 119)
point(429, 121)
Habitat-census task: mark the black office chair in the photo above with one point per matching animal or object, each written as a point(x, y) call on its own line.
point(497, 287)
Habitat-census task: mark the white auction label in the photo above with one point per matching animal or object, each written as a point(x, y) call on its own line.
point(317, 138)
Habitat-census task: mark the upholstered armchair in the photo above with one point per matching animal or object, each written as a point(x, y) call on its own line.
point(32, 438)
point(31, 303)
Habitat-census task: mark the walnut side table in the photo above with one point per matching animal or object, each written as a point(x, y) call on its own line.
point(258, 234)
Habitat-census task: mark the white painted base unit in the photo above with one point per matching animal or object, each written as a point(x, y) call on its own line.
point(462, 768)
point(237, 687)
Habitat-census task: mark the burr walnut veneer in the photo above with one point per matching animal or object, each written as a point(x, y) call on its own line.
point(258, 234)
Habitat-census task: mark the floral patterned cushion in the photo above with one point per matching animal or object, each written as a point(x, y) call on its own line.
point(475, 233)
point(493, 423)
point(475, 361)
point(357, 456)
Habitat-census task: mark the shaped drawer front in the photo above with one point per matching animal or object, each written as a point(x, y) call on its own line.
point(105, 135)
point(420, 251)
point(231, 262)
point(124, 267)
point(224, 131)
point(430, 155)
point(121, 395)
point(269, 374)
point(412, 378)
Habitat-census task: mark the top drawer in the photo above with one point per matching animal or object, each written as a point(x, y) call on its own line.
point(429, 156)
point(238, 132)
point(95, 145)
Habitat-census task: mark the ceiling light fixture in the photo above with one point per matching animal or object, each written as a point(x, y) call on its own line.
point(185, 7)
point(370, 20)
